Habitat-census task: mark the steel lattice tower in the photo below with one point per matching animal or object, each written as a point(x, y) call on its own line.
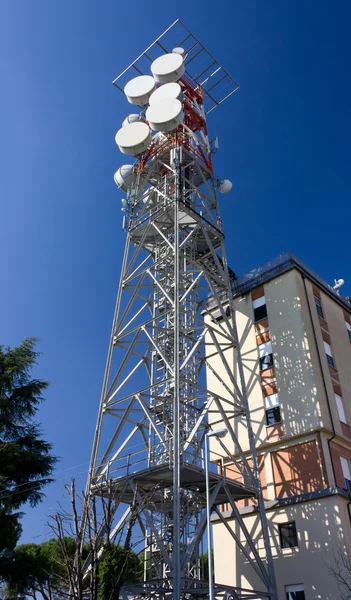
point(156, 407)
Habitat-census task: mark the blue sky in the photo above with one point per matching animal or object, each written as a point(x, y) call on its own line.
point(284, 142)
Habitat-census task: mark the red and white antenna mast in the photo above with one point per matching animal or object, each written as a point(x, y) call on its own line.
point(156, 409)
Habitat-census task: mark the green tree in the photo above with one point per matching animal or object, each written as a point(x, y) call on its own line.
point(28, 573)
point(26, 462)
point(204, 560)
point(118, 566)
point(38, 569)
point(41, 570)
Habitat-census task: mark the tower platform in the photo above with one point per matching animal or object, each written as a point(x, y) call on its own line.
point(159, 478)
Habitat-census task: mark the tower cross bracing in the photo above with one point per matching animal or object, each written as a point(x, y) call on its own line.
point(156, 405)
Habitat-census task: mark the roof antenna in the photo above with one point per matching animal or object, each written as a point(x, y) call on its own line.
point(338, 284)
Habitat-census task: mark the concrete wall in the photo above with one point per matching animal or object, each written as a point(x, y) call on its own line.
point(247, 338)
point(300, 387)
point(297, 469)
point(296, 334)
point(341, 347)
point(322, 527)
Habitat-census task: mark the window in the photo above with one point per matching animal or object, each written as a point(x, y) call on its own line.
point(328, 352)
point(273, 416)
point(345, 465)
point(319, 307)
point(217, 316)
point(295, 592)
point(348, 327)
point(266, 355)
point(272, 409)
point(340, 407)
point(288, 535)
point(260, 308)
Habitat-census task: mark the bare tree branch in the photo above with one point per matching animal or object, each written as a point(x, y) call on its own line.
point(339, 566)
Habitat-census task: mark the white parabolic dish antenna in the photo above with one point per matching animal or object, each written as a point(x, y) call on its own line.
point(225, 186)
point(165, 115)
point(134, 118)
point(167, 68)
point(168, 90)
point(124, 177)
point(134, 138)
point(139, 89)
point(179, 50)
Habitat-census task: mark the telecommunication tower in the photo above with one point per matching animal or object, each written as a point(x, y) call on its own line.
point(156, 409)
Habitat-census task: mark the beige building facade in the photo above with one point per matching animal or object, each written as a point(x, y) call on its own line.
point(295, 337)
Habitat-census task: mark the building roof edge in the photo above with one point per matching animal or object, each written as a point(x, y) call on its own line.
point(273, 504)
point(271, 269)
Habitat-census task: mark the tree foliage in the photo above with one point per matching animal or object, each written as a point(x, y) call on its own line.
point(29, 571)
point(118, 566)
point(26, 462)
point(82, 560)
point(41, 570)
point(38, 569)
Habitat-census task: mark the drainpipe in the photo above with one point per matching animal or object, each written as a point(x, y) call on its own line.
point(324, 384)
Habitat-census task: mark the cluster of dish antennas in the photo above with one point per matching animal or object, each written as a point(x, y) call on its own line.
point(161, 109)
point(160, 99)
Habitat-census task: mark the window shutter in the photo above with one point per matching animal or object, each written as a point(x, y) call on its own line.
point(259, 302)
point(340, 408)
point(265, 349)
point(271, 401)
point(327, 349)
point(345, 468)
point(295, 588)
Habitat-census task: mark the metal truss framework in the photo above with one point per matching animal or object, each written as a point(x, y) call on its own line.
point(156, 405)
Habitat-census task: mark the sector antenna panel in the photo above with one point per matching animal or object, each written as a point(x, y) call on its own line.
point(201, 68)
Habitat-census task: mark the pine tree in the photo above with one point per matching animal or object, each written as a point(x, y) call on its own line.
point(26, 462)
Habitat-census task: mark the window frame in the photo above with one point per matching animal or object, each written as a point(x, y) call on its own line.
point(258, 318)
point(329, 355)
point(346, 472)
point(258, 304)
point(259, 301)
point(266, 346)
point(330, 360)
point(348, 329)
point(340, 408)
point(281, 525)
point(318, 304)
point(271, 401)
point(292, 589)
point(275, 410)
point(264, 366)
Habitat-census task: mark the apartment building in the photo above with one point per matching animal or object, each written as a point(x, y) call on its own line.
point(295, 334)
